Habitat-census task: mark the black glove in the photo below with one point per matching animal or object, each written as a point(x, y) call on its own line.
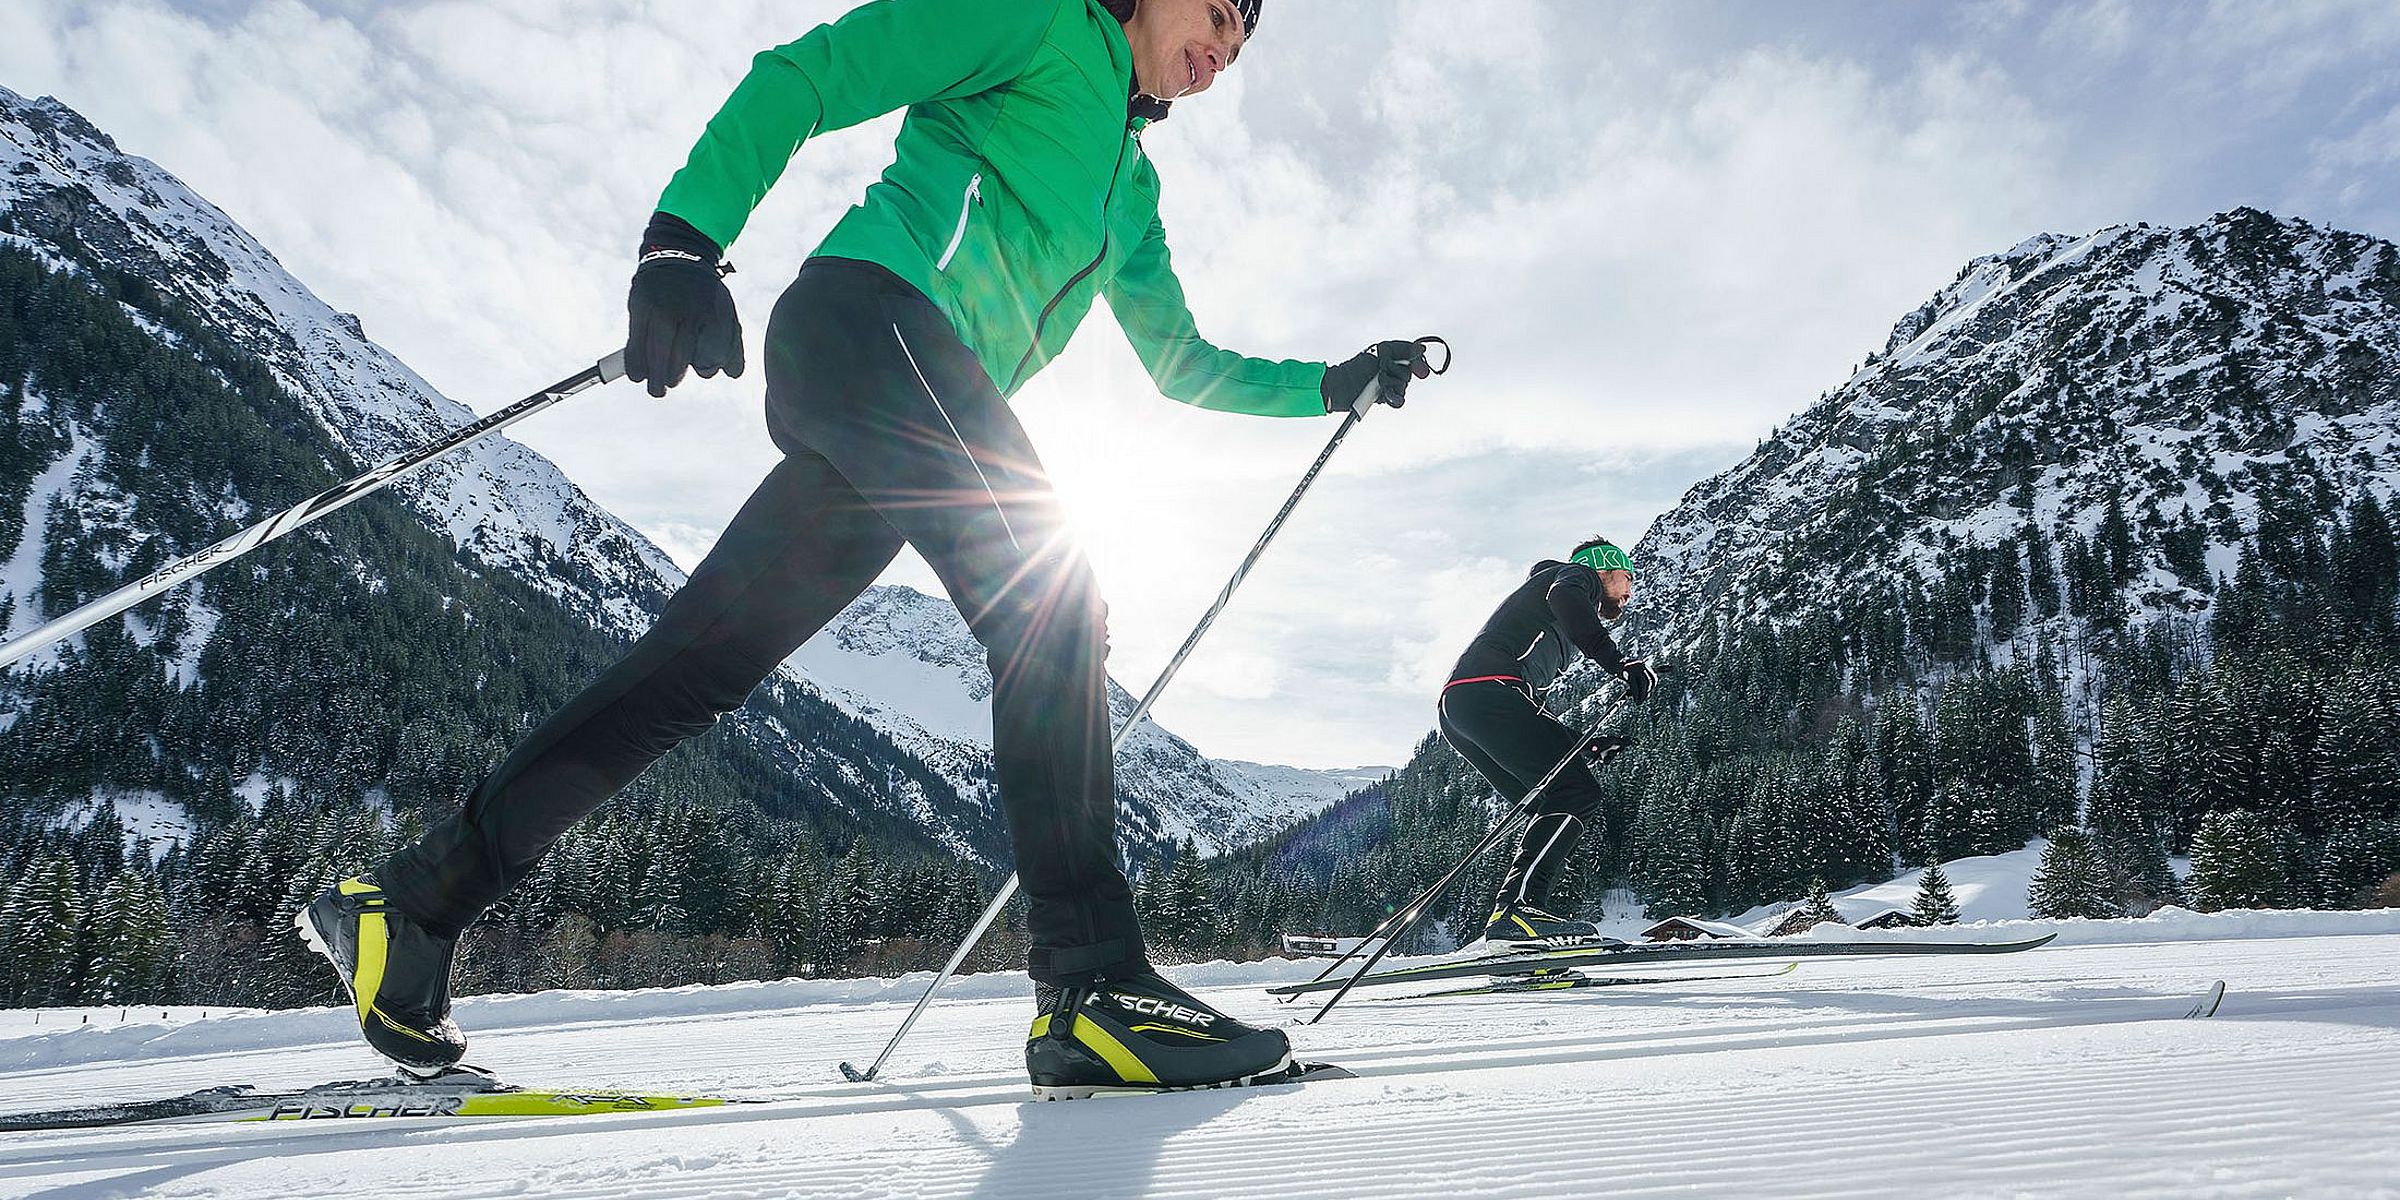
point(1603, 747)
point(1640, 678)
point(1389, 365)
point(679, 313)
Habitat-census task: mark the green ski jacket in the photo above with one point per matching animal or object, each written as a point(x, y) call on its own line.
point(1018, 190)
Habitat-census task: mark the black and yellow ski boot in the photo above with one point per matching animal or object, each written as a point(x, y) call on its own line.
point(1139, 1033)
point(1518, 927)
point(396, 971)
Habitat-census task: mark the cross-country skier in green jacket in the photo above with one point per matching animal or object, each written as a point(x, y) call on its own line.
point(1018, 194)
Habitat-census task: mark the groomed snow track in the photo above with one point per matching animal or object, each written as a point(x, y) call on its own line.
point(2065, 1071)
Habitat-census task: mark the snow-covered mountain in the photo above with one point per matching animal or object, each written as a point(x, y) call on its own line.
point(897, 659)
point(906, 662)
point(2189, 379)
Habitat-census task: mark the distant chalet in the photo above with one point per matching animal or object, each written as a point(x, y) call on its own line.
point(1693, 929)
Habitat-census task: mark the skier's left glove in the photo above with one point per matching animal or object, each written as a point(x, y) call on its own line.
point(1601, 747)
point(1388, 365)
point(679, 313)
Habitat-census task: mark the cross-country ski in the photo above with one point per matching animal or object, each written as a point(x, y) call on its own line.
point(1623, 955)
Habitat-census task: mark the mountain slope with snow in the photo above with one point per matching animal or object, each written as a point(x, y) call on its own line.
point(2191, 377)
point(907, 662)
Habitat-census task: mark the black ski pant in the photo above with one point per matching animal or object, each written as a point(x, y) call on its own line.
point(891, 432)
point(1496, 726)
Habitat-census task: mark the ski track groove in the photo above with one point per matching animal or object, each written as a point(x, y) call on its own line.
point(1187, 1159)
point(1890, 1110)
point(1424, 1058)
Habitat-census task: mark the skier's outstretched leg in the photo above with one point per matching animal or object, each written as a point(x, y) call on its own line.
point(1498, 728)
point(801, 548)
point(916, 426)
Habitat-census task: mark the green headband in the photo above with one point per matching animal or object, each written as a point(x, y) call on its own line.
point(1605, 557)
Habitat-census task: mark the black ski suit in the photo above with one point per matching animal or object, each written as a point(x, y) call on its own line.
point(891, 432)
point(1492, 715)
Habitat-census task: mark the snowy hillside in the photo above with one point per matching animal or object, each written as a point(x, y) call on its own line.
point(906, 662)
point(899, 660)
point(2183, 377)
point(63, 182)
point(2063, 1072)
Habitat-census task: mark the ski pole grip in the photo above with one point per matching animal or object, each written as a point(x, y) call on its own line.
point(1367, 394)
point(612, 368)
point(1366, 400)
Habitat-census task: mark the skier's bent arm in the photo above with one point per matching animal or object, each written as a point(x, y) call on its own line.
point(1574, 597)
point(882, 56)
point(1149, 304)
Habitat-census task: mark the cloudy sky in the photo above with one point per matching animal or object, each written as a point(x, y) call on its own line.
point(1651, 230)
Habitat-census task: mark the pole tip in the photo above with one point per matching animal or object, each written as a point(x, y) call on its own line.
point(854, 1075)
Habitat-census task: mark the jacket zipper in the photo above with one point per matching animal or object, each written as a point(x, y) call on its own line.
point(1106, 203)
point(966, 206)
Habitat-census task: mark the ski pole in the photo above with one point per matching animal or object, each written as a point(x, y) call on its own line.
point(1008, 890)
point(1426, 897)
point(327, 501)
point(1416, 911)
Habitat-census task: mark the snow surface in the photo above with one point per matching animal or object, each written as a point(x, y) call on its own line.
point(1987, 887)
point(150, 819)
point(2060, 1072)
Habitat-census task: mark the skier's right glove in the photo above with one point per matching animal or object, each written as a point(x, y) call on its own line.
point(1641, 679)
point(679, 313)
point(1602, 747)
point(1388, 365)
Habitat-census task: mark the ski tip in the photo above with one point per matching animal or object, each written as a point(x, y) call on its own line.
point(2208, 1002)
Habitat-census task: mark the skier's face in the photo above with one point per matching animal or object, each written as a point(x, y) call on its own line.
point(1616, 588)
point(1180, 46)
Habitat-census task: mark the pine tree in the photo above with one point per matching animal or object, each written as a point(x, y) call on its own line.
point(2071, 880)
point(2115, 543)
point(2007, 593)
point(41, 930)
point(2355, 862)
point(2239, 861)
point(1818, 909)
point(2041, 571)
point(1179, 912)
point(129, 942)
point(2366, 570)
point(1672, 863)
point(1934, 904)
point(1904, 763)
